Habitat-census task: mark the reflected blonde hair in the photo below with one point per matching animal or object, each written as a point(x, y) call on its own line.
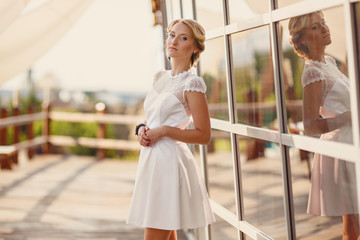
point(297, 26)
point(198, 34)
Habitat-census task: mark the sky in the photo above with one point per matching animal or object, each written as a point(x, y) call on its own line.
point(113, 46)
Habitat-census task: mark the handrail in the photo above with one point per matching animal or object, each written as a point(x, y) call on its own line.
point(22, 119)
point(46, 116)
point(95, 117)
point(100, 143)
point(251, 106)
point(30, 143)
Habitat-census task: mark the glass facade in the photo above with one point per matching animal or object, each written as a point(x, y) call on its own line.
point(282, 82)
point(240, 10)
point(254, 81)
point(220, 170)
point(213, 71)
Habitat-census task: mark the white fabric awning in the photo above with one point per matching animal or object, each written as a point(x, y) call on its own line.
point(9, 11)
point(31, 35)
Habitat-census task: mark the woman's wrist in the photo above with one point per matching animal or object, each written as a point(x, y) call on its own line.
point(141, 129)
point(164, 131)
point(138, 128)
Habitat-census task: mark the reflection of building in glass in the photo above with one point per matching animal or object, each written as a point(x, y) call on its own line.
point(259, 161)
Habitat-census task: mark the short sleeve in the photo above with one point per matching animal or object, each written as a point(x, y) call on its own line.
point(311, 75)
point(196, 84)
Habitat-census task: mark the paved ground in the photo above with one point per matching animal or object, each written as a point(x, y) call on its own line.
point(58, 197)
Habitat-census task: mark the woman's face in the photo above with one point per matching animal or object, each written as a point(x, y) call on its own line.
point(180, 43)
point(317, 34)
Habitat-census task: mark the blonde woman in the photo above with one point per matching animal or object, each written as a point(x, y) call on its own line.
point(326, 94)
point(169, 192)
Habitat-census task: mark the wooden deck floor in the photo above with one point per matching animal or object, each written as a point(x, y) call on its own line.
point(59, 197)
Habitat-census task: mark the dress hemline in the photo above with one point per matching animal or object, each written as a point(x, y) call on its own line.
point(167, 228)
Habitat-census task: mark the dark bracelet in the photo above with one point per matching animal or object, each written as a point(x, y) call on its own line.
point(138, 127)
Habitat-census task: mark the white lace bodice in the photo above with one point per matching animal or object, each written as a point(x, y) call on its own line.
point(179, 84)
point(335, 85)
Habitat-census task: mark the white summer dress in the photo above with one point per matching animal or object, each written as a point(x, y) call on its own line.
point(333, 183)
point(169, 190)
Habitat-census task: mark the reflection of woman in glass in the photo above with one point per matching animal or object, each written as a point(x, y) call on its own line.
point(326, 93)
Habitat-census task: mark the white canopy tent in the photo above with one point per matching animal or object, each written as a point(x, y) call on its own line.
point(28, 37)
point(9, 11)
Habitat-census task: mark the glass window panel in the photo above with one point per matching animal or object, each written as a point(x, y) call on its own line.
point(199, 234)
point(212, 67)
point(323, 72)
point(173, 10)
point(261, 181)
point(220, 170)
point(221, 230)
point(337, 190)
point(241, 10)
point(254, 81)
point(187, 9)
point(209, 13)
point(283, 3)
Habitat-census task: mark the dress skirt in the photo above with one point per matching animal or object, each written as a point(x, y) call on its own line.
point(169, 190)
point(333, 190)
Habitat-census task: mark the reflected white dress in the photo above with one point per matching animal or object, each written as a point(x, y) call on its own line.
point(333, 183)
point(169, 190)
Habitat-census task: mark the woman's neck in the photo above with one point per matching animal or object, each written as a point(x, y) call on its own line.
point(179, 67)
point(317, 54)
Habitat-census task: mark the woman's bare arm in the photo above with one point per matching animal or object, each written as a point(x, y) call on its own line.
point(201, 133)
point(313, 125)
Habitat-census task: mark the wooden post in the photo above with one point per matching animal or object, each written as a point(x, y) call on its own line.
point(101, 131)
point(5, 160)
point(6, 154)
point(30, 133)
point(46, 147)
point(16, 136)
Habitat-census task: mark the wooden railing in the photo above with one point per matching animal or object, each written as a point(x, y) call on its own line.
point(8, 152)
point(101, 142)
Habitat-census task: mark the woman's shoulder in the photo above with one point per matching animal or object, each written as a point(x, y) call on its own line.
point(312, 73)
point(329, 59)
point(160, 73)
point(195, 83)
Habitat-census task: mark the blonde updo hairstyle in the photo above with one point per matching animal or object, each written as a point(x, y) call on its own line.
point(297, 26)
point(198, 34)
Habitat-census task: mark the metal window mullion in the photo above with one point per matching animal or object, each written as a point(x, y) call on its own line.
point(354, 85)
point(203, 158)
point(233, 119)
point(181, 9)
point(194, 9)
point(164, 33)
point(353, 66)
point(282, 119)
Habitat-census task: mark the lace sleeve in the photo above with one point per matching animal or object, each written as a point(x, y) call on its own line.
point(196, 84)
point(312, 74)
